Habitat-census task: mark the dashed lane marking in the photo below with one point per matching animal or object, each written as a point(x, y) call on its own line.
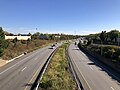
point(112, 88)
point(91, 67)
point(23, 68)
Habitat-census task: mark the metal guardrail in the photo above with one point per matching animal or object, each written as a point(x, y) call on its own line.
point(78, 82)
point(36, 84)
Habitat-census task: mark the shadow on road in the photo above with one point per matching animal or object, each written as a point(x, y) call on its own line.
point(111, 72)
point(91, 63)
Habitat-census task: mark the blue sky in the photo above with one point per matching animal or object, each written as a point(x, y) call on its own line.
point(59, 16)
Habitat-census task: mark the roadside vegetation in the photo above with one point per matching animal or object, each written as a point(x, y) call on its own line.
point(3, 42)
point(57, 75)
point(107, 51)
point(20, 47)
point(105, 44)
point(106, 38)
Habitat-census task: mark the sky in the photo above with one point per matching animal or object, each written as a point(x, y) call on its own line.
point(79, 17)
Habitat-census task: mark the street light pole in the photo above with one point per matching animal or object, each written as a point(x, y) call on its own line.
point(101, 47)
point(118, 40)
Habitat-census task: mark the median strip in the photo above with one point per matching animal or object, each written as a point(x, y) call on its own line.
point(57, 75)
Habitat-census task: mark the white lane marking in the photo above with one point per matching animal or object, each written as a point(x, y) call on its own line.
point(23, 68)
point(15, 58)
point(112, 88)
point(91, 67)
point(15, 64)
point(80, 72)
point(22, 61)
point(10, 67)
point(84, 78)
point(97, 63)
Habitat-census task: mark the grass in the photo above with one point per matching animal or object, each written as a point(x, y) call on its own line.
point(58, 76)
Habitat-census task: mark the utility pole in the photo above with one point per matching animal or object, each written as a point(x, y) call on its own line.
point(118, 40)
point(75, 35)
point(101, 47)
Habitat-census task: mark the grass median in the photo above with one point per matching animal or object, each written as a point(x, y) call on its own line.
point(58, 76)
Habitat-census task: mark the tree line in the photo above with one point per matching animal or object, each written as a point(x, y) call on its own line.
point(106, 44)
point(35, 39)
point(111, 37)
point(3, 42)
point(56, 37)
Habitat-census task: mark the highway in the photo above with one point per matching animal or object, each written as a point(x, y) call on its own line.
point(21, 73)
point(91, 75)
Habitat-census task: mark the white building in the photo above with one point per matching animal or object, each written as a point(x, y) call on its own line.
point(18, 37)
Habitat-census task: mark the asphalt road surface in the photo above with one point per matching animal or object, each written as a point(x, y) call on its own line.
point(91, 75)
point(21, 73)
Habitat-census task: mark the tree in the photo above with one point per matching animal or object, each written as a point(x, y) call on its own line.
point(113, 34)
point(46, 36)
point(2, 41)
point(29, 34)
point(103, 36)
point(28, 41)
point(36, 35)
point(15, 41)
point(52, 37)
point(2, 36)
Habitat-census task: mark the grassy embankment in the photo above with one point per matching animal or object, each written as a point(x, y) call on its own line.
point(108, 51)
point(111, 52)
point(15, 49)
point(58, 76)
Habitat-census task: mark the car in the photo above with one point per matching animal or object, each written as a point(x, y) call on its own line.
point(75, 43)
point(53, 45)
point(25, 53)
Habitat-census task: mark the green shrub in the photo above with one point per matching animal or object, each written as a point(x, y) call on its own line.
point(3, 42)
point(1, 51)
point(108, 53)
point(89, 42)
point(23, 41)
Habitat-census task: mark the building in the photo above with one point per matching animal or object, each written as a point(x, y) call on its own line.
point(18, 37)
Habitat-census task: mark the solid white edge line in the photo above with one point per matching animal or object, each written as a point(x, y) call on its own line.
point(14, 58)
